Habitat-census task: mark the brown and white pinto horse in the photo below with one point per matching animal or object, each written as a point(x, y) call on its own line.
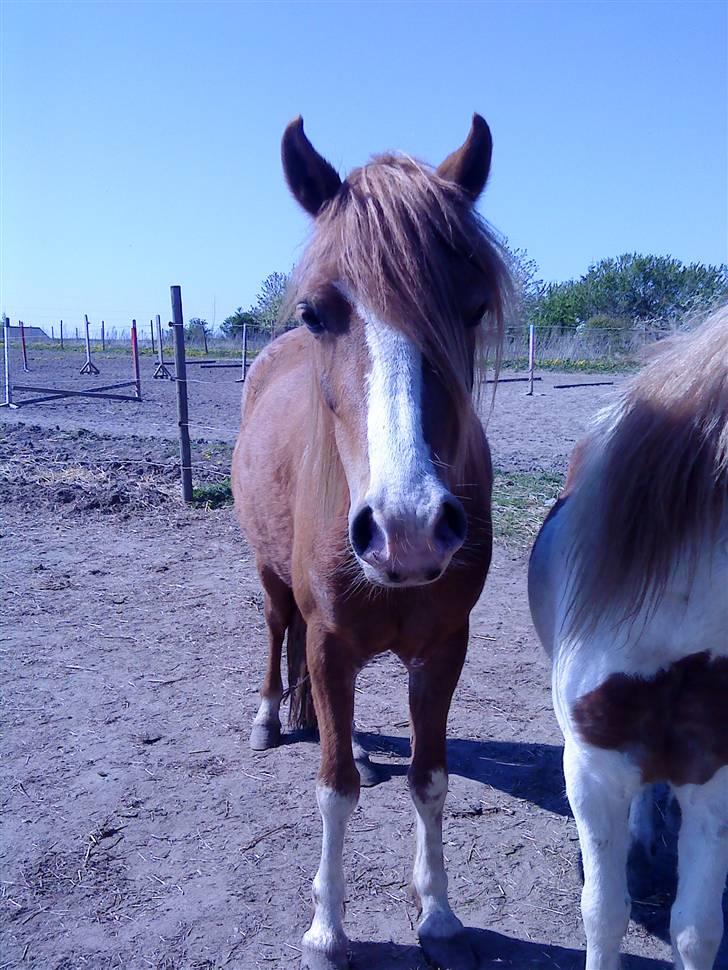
point(362, 478)
point(628, 583)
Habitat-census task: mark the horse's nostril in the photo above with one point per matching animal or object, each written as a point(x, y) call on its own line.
point(452, 524)
point(393, 576)
point(362, 530)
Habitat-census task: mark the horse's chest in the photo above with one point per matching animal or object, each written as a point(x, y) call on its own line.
point(674, 725)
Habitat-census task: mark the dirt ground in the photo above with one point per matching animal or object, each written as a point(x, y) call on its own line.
point(526, 433)
point(140, 830)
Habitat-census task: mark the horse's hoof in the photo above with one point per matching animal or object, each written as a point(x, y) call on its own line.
point(439, 923)
point(314, 959)
point(445, 942)
point(265, 735)
point(369, 774)
point(449, 953)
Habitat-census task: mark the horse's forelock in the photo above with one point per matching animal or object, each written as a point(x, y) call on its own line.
point(392, 235)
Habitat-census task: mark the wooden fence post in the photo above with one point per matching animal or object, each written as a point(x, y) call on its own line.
point(180, 363)
point(61, 334)
point(103, 336)
point(135, 360)
point(151, 330)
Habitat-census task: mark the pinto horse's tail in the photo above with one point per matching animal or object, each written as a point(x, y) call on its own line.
point(301, 712)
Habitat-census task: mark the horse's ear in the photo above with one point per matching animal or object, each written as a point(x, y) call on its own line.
point(469, 166)
point(311, 179)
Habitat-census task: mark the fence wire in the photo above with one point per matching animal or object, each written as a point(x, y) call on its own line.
point(555, 348)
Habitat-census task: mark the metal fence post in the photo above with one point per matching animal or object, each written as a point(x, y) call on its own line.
point(103, 336)
point(61, 334)
point(8, 402)
point(245, 349)
point(531, 357)
point(88, 367)
point(161, 370)
point(180, 363)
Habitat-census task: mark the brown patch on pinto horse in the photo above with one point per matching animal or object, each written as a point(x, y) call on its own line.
point(674, 725)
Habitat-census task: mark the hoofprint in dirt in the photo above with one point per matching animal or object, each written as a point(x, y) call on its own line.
point(526, 433)
point(141, 831)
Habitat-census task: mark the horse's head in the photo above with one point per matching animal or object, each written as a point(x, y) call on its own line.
point(393, 287)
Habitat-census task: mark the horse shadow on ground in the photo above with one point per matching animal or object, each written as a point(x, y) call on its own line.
point(534, 773)
point(493, 951)
point(531, 772)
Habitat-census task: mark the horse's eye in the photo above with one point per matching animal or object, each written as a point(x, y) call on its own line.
point(473, 319)
point(306, 314)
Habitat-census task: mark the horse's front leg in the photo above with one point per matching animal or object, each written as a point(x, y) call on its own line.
point(431, 686)
point(333, 674)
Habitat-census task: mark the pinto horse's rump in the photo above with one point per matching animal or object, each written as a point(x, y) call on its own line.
point(628, 585)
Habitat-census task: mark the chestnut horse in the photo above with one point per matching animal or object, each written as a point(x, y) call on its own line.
point(628, 583)
point(362, 478)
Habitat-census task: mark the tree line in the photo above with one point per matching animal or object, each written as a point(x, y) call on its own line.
point(616, 293)
point(261, 317)
point(632, 290)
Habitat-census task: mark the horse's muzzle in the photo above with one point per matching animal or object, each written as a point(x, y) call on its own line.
point(405, 548)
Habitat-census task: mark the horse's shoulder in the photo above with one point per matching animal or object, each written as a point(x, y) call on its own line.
point(573, 473)
point(279, 357)
point(576, 465)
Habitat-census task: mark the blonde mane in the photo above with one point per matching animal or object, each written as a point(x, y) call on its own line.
point(654, 481)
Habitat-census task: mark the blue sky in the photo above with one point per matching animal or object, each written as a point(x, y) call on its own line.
point(140, 140)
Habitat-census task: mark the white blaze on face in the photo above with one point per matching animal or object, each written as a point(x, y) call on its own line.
point(401, 475)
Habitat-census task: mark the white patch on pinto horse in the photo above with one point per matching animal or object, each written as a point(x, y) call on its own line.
point(401, 474)
point(601, 785)
point(696, 920)
point(429, 877)
point(326, 933)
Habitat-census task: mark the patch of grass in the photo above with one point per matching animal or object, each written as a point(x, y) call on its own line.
point(568, 365)
point(521, 501)
point(120, 348)
point(219, 353)
point(213, 495)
